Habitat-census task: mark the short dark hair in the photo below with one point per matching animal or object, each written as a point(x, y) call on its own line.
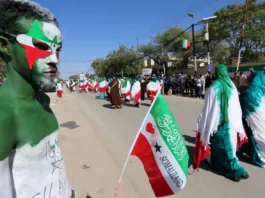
point(13, 10)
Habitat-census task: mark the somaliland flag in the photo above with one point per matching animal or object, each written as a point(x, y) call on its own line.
point(161, 148)
point(186, 44)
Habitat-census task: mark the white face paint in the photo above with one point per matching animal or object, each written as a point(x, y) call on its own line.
point(45, 69)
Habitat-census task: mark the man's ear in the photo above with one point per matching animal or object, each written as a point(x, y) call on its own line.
point(4, 52)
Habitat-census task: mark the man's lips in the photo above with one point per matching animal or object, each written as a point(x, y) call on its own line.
point(51, 72)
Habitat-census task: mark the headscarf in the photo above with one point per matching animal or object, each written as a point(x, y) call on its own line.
point(252, 97)
point(125, 81)
point(224, 93)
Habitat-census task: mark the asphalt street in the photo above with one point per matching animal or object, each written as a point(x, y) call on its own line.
point(117, 128)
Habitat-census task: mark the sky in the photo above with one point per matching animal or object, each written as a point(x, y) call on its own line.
point(93, 28)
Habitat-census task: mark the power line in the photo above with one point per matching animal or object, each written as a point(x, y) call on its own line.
point(205, 4)
point(220, 18)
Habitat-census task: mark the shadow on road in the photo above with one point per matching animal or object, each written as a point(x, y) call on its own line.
point(245, 159)
point(70, 125)
point(108, 106)
point(204, 164)
point(190, 139)
point(145, 104)
point(128, 105)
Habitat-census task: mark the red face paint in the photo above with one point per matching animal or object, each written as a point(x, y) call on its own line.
point(34, 54)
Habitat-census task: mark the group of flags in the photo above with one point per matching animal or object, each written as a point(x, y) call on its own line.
point(161, 148)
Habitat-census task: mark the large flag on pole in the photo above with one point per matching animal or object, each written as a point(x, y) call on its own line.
point(186, 44)
point(161, 148)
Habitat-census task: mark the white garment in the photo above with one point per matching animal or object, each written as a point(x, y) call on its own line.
point(59, 87)
point(39, 171)
point(208, 120)
point(242, 81)
point(256, 121)
point(136, 89)
point(198, 82)
point(152, 86)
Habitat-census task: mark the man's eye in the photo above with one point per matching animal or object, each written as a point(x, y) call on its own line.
point(40, 45)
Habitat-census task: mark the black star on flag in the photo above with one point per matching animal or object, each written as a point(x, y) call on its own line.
point(157, 148)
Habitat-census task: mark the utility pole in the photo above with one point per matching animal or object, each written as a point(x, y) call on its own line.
point(208, 43)
point(164, 69)
point(242, 35)
point(207, 37)
point(194, 48)
point(137, 41)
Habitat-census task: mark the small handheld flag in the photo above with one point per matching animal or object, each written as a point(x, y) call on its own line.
point(161, 147)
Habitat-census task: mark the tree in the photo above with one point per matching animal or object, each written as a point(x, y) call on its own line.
point(74, 77)
point(226, 29)
point(118, 62)
point(170, 42)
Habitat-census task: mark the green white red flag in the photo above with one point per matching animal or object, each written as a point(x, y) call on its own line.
point(161, 148)
point(102, 84)
point(186, 44)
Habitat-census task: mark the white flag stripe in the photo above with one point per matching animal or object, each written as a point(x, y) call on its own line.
point(102, 84)
point(157, 138)
point(255, 121)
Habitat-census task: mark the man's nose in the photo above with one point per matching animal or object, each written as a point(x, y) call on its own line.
point(53, 58)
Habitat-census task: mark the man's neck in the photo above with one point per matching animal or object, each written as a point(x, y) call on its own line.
point(16, 87)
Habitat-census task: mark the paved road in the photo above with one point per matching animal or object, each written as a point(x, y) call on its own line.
point(116, 130)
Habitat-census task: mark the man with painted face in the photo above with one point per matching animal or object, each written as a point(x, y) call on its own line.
point(31, 163)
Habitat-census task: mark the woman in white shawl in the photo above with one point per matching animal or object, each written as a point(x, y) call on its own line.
point(218, 127)
point(253, 107)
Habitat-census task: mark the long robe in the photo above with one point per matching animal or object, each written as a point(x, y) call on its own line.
point(253, 108)
point(220, 129)
point(115, 98)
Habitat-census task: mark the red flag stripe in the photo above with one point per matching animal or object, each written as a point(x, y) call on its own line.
point(137, 97)
point(102, 89)
point(157, 180)
point(202, 151)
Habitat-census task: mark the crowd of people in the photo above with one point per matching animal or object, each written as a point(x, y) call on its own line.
point(232, 119)
point(115, 89)
point(141, 87)
point(196, 85)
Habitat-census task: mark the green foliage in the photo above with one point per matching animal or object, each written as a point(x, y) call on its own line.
point(225, 38)
point(74, 77)
point(124, 61)
point(227, 29)
point(170, 42)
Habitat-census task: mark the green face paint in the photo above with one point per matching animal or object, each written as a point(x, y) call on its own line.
point(42, 48)
point(36, 33)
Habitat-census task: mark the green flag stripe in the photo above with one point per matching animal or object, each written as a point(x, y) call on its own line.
point(124, 84)
point(170, 132)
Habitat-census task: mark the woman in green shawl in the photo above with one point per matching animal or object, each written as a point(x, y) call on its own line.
point(220, 127)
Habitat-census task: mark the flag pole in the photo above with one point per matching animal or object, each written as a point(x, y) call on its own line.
point(134, 142)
